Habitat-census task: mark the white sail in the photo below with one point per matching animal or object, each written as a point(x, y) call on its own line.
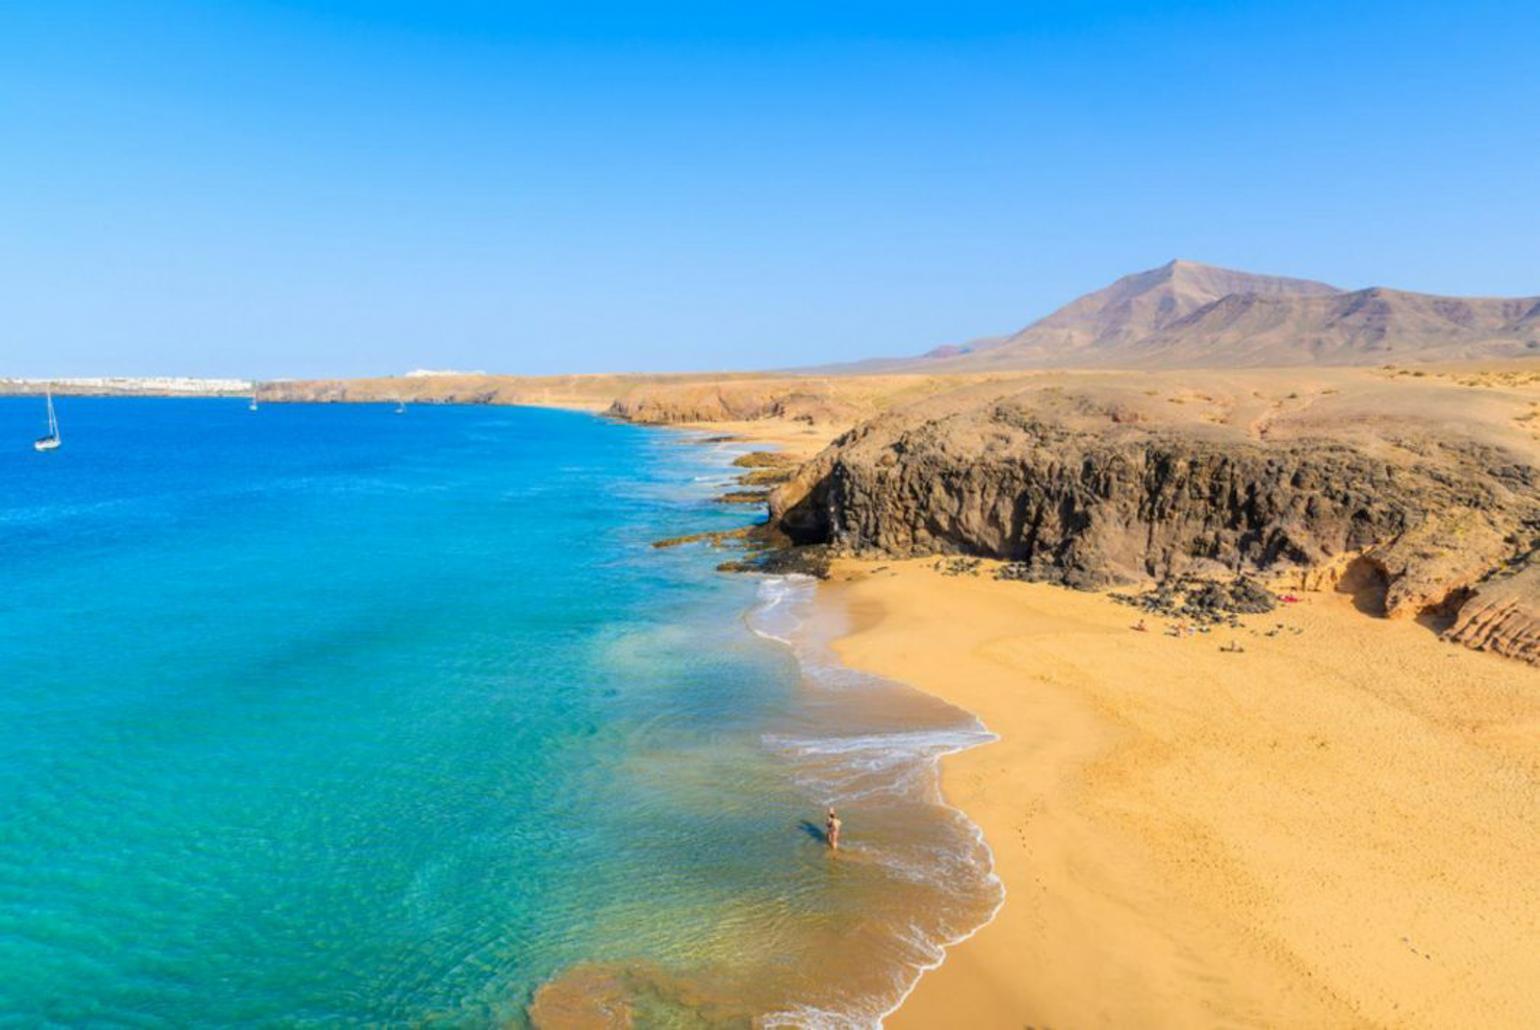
point(52, 440)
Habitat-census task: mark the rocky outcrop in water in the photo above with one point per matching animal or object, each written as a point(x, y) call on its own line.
point(1076, 494)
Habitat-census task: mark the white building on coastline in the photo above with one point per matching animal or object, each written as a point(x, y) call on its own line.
point(130, 384)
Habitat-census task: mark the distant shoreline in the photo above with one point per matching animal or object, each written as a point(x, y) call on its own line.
point(125, 387)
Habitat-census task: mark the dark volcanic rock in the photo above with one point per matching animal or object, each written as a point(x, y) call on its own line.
point(1203, 601)
point(714, 537)
point(812, 560)
point(959, 566)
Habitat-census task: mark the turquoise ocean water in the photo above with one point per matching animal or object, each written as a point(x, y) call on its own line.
point(325, 714)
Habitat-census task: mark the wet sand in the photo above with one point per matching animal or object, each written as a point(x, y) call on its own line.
point(819, 938)
point(1338, 827)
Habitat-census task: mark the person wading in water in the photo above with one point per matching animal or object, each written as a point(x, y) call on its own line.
point(831, 830)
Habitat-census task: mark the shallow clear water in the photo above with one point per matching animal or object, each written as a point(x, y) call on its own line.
point(321, 713)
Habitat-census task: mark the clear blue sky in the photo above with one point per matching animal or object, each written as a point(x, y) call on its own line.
point(295, 188)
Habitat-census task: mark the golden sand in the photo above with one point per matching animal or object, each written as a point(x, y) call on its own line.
point(1338, 827)
point(797, 440)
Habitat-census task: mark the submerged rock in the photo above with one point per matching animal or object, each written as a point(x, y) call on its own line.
point(715, 537)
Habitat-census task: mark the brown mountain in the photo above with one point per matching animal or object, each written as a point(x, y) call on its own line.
point(1184, 314)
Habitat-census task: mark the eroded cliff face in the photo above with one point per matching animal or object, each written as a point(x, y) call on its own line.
point(1090, 496)
point(1502, 615)
point(813, 402)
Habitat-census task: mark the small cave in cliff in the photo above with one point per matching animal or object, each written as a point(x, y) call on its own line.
point(1365, 581)
point(1441, 616)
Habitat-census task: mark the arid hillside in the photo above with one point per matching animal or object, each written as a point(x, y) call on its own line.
point(1188, 315)
point(677, 399)
point(1419, 493)
point(1417, 488)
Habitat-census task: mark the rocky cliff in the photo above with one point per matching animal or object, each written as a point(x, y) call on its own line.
point(1502, 614)
point(1089, 493)
point(812, 401)
point(830, 401)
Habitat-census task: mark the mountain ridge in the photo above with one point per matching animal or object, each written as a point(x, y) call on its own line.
point(1188, 314)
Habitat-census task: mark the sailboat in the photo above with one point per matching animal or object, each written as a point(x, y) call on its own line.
point(253, 405)
point(52, 440)
point(400, 406)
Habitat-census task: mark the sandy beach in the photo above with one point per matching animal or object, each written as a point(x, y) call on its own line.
point(794, 439)
point(1337, 827)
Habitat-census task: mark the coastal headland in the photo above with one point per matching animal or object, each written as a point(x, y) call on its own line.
point(1244, 825)
point(1320, 817)
point(678, 516)
point(1315, 810)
